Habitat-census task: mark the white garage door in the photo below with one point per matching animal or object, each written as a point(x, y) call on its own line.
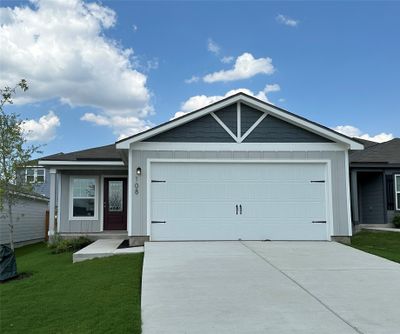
point(231, 201)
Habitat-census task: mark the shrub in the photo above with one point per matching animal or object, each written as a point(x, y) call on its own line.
point(60, 245)
point(396, 221)
point(54, 241)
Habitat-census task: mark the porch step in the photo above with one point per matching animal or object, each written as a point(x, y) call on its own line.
point(98, 235)
point(103, 248)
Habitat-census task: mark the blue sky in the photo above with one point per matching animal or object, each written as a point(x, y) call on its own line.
point(336, 63)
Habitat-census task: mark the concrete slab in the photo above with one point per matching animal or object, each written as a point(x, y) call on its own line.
point(384, 229)
point(267, 287)
point(360, 287)
point(103, 248)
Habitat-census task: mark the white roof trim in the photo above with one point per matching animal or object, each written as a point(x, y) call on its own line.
point(80, 163)
point(253, 102)
point(307, 125)
point(179, 121)
point(237, 147)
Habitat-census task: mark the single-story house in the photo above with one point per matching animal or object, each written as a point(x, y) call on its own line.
point(375, 182)
point(239, 168)
point(29, 216)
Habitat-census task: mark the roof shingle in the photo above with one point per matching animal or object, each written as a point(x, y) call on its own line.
point(387, 152)
point(102, 153)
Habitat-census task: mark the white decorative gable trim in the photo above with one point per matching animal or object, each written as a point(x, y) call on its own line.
point(262, 106)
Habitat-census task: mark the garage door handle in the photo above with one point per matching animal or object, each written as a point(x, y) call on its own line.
point(240, 208)
point(237, 209)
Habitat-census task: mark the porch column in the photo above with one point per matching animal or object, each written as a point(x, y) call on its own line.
point(52, 204)
point(354, 197)
point(129, 192)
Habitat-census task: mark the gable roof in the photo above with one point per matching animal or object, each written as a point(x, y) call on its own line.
point(254, 102)
point(20, 191)
point(387, 153)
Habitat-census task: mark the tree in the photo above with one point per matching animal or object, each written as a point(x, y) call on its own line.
point(14, 155)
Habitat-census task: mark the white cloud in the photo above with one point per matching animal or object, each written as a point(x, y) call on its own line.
point(152, 64)
point(123, 126)
point(272, 88)
point(59, 47)
point(192, 79)
point(43, 130)
point(246, 66)
point(227, 59)
point(287, 20)
point(135, 28)
point(352, 131)
point(213, 47)
point(200, 101)
point(178, 114)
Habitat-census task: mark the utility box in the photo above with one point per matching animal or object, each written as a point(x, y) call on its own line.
point(8, 265)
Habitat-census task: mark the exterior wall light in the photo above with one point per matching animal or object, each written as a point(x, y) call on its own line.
point(138, 171)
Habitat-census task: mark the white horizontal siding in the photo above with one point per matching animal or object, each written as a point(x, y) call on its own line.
point(29, 221)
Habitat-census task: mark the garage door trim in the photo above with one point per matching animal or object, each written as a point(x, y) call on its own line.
point(328, 188)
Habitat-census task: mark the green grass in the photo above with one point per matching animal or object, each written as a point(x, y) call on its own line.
point(96, 296)
point(384, 244)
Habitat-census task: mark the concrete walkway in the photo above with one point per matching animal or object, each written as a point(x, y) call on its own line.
point(385, 229)
point(268, 287)
point(103, 248)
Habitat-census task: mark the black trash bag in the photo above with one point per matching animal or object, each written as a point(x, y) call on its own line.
point(8, 265)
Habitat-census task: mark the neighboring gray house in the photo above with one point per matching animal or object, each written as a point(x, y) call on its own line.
point(375, 182)
point(39, 177)
point(237, 169)
point(29, 220)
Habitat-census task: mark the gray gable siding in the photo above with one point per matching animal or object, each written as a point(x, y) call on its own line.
point(228, 115)
point(207, 130)
point(202, 130)
point(248, 117)
point(274, 130)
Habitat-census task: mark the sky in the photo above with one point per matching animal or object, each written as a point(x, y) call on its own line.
point(101, 71)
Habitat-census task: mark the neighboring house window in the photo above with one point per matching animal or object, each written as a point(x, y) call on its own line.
point(83, 198)
point(35, 175)
point(397, 190)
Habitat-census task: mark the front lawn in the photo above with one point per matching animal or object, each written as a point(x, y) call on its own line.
point(384, 244)
point(97, 296)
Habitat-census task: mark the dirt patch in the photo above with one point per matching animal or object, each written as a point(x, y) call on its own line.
point(17, 278)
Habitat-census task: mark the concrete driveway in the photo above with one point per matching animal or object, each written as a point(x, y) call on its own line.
point(268, 287)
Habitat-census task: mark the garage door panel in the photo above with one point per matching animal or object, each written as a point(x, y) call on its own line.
point(187, 211)
point(198, 201)
point(302, 211)
point(226, 230)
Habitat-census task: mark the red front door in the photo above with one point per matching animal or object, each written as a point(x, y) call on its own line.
point(115, 203)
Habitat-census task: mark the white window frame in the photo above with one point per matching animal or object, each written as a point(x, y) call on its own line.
point(396, 192)
point(71, 198)
point(35, 175)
